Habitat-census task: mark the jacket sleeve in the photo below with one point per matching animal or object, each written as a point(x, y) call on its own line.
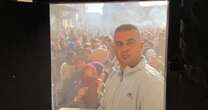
point(153, 95)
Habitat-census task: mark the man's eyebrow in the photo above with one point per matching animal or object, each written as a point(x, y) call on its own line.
point(131, 39)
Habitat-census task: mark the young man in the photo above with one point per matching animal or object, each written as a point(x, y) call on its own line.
point(136, 86)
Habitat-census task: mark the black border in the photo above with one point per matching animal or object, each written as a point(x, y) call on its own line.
point(25, 61)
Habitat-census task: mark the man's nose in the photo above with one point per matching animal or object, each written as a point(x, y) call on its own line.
point(125, 48)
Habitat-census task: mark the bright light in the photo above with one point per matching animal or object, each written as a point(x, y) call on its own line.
point(24, 0)
point(76, 16)
point(153, 3)
point(94, 8)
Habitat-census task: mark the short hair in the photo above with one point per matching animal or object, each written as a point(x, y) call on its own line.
point(126, 27)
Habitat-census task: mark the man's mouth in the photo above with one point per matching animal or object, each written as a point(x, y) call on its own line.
point(125, 56)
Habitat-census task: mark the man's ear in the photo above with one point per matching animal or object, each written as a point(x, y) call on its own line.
point(113, 46)
point(142, 41)
point(142, 45)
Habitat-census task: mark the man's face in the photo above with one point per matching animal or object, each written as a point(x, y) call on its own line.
point(153, 61)
point(128, 47)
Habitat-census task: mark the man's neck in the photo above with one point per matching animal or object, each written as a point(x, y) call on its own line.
point(135, 63)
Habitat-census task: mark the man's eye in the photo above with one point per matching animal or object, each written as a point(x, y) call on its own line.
point(130, 42)
point(119, 44)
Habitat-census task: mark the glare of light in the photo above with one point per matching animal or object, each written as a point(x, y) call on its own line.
point(76, 16)
point(94, 8)
point(24, 0)
point(153, 3)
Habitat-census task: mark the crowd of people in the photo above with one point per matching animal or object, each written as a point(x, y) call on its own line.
point(82, 61)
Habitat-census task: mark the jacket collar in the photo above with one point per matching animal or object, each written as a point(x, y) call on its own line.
point(138, 67)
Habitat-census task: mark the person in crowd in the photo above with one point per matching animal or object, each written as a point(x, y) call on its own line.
point(100, 76)
point(154, 60)
point(66, 85)
point(87, 93)
point(100, 54)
